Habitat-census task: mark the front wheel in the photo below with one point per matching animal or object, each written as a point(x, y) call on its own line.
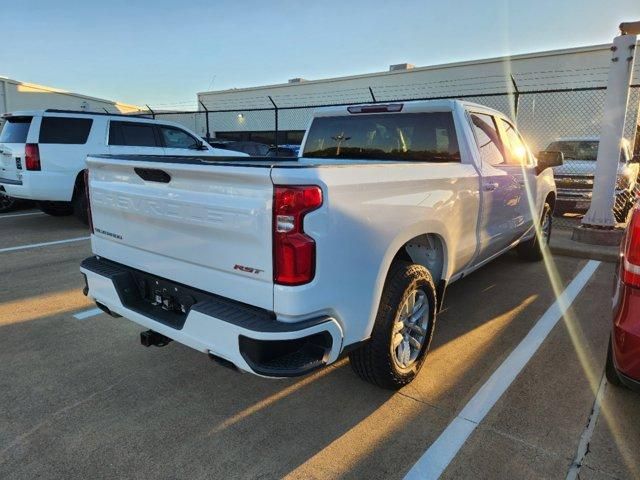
point(402, 331)
point(622, 207)
point(533, 248)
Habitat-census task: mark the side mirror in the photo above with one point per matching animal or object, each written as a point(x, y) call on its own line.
point(200, 145)
point(548, 159)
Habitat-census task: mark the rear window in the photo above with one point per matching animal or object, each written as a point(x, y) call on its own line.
point(15, 130)
point(133, 134)
point(64, 130)
point(419, 137)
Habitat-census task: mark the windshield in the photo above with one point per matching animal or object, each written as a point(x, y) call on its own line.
point(15, 130)
point(576, 149)
point(423, 137)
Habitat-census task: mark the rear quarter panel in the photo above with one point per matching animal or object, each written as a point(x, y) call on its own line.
point(369, 212)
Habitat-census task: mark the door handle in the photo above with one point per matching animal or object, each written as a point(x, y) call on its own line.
point(489, 186)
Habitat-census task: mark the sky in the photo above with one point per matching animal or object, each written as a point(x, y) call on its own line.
point(163, 52)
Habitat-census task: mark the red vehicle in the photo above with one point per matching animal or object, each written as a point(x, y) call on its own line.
point(623, 357)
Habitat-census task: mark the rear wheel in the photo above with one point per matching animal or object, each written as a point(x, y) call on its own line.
point(56, 209)
point(610, 368)
point(402, 332)
point(7, 203)
point(532, 249)
point(80, 207)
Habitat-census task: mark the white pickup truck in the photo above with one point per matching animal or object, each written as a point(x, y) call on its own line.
point(281, 266)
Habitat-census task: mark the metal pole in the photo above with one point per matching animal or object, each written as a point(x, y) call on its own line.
point(600, 214)
point(276, 122)
point(206, 118)
point(373, 97)
point(516, 98)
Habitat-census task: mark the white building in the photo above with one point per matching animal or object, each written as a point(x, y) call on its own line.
point(542, 116)
point(16, 95)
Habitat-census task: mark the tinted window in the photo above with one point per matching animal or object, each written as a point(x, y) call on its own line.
point(176, 138)
point(423, 137)
point(516, 148)
point(15, 130)
point(65, 130)
point(487, 139)
point(132, 134)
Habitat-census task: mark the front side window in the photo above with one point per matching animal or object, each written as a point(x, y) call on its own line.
point(15, 130)
point(133, 134)
point(176, 138)
point(516, 149)
point(419, 137)
point(67, 131)
point(487, 139)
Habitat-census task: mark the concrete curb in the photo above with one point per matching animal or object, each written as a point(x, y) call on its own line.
point(562, 244)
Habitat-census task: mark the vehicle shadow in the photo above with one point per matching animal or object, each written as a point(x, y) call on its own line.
point(82, 399)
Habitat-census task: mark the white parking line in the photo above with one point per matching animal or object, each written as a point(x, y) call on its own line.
point(10, 215)
point(440, 454)
point(45, 244)
point(87, 314)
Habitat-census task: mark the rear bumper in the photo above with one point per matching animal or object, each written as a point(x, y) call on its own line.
point(39, 186)
point(248, 337)
point(626, 333)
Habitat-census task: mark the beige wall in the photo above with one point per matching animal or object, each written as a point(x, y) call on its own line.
point(16, 95)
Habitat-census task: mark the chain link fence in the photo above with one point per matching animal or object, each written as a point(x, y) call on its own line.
point(567, 119)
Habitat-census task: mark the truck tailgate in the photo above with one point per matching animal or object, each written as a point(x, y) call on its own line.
point(206, 225)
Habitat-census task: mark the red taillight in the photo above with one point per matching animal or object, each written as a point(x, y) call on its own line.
point(294, 252)
point(88, 199)
point(631, 259)
point(32, 156)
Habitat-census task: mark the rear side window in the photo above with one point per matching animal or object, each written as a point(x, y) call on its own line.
point(487, 138)
point(69, 131)
point(176, 138)
point(133, 134)
point(418, 137)
point(15, 130)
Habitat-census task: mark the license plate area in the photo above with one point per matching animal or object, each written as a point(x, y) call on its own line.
point(157, 298)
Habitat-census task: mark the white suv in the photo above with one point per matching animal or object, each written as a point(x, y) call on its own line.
point(42, 153)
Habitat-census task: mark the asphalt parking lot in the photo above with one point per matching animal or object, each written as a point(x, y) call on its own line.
point(80, 398)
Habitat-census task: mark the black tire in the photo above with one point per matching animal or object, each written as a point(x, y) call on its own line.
point(375, 361)
point(531, 250)
point(7, 203)
point(56, 209)
point(610, 368)
point(80, 206)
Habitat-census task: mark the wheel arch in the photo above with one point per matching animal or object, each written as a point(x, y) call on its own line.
point(426, 249)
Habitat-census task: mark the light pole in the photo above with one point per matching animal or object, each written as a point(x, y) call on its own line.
point(599, 224)
point(600, 214)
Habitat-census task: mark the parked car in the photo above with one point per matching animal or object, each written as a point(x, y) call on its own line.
point(574, 179)
point(280, 267)
point(42, 153)
point(623, 356)
point(250, 148)
point(282, 151)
